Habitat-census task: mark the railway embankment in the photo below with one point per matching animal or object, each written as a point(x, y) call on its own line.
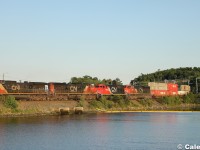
point(9, 107)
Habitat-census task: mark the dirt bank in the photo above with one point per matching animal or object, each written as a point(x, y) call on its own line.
point(38, 108)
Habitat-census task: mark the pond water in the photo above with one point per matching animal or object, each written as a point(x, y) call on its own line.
point(101, 131)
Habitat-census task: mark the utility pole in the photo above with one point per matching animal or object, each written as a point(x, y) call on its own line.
point(3, 76)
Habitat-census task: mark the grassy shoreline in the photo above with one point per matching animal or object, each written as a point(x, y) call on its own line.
point(9, 107)
point(94, 112)
point(40, 110)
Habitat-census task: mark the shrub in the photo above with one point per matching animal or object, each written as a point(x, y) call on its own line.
point(96, 104)
point(177, 100)
point(115, 102)
point(109, 104)
point(146, 102)
point(197, 101)
point(127, 102)
point(10, 102)
point(134, 105)
point(117, 98)
point(149, 102)
point(121, 103)
point(172, 100)
point(124, 103)
point(106, 103)
point(186, 99)
point(102, 103)
point(197, 95)
point(160, 100)
point(192, 97)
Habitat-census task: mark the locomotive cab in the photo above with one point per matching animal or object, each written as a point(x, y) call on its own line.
point(90, 89)
point(103, 89)
point(129, 89)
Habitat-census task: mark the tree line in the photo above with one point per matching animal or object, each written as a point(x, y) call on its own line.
point(186, 75)
point(94, 80)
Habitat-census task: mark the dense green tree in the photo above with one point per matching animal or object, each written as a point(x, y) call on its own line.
point(94, 80)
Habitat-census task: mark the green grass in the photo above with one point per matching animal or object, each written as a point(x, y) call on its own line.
point(170, 100)
point(102, 103)
point(146, 102)
point(116, 102)
point(9, 102)
point(121, 103)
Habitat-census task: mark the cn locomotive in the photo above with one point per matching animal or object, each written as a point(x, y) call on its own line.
point(61, 91)
point(53, 87)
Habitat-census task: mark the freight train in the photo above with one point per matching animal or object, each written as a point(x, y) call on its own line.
point(168, 89)
point(52, 88)
point(42, 90)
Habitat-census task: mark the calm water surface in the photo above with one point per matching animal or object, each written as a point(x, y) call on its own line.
point(118, 131)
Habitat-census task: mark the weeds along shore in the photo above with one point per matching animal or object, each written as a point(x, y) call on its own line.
point(10, 107)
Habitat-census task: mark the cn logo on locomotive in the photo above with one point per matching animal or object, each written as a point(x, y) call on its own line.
point(73, 88)
point(113, 89)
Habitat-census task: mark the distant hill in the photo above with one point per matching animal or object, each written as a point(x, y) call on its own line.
point(180, 75)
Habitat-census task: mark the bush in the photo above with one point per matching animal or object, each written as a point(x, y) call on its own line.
point(96, 104)
point(146, 102)
point(186, 99)
point(115, 102)
point(197, 95)
point(124, 103)
point(116, 98)
point(127, 102)
point(192, 97)
point(195, 98)
point(172, 100)
point(197, 101)
point(121, 101)
point(102, 103)
point(10, 102)
point(106, 103)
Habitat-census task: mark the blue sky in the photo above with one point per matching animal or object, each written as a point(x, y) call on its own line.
point(46, 40)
